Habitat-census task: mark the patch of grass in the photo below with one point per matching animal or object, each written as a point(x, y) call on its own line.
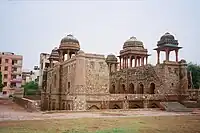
point(159, 124)
point(118, 130)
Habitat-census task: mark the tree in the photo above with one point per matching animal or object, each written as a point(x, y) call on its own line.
point(30, 88)
point(1, 85)
point(195, 70)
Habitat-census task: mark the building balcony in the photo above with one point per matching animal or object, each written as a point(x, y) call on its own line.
point(16, 72)
point(16, 80)
point(16, 65)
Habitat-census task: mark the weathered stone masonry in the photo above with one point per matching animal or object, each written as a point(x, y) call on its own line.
point(86, 81)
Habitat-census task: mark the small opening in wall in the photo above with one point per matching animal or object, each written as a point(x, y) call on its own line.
point(172, 84)
point(68, 85)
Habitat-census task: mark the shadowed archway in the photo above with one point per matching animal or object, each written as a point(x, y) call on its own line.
point(141, 89)
point(152, 88)
point(93, 107)
point(112, 89)
point(154, 105)
point(123, 89)
point(131, 89)
point(116, 107)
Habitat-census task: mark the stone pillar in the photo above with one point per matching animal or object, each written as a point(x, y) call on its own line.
point(61, 56)
point(109, 67)
point(176, 52)
point(130, 58)
point(146, 60)
point(124, 62)
point(120, 61)
point(167, 54)
point(51, 63)
point(158, 54)
point(139, 61)
point(135, 61)
point(68, 56)
point(142, 61)
point(127, 62)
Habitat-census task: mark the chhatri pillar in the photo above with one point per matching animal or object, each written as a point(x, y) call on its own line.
point(132, 49)
point(167, 43)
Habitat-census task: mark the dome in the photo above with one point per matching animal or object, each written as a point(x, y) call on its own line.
point(81, 52)
point(167, 36)
point(54, 54)
point(111, 58)
point(69, 42)
point(133, 42)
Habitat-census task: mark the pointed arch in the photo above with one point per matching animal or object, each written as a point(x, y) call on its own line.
point(131, 88)
point(154, 105)
point(93, 107)
point(123, 88)
point(116, 107)
point(152, 88)
point(141, 88)
point(112, 89)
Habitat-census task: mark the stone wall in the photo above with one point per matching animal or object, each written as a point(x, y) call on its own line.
point(29, 105)
point(84, 82)
point(136, 78)
point(194, 94)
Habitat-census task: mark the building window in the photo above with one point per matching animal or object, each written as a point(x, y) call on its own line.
point(5, 76)
point(5, 83)
point(6, 68)
point(68, 85)
point(14, 62)
point(14, 77)
point(13, 85)
point(6, 60)
point(14, 69)
point(47, 65)
point(0, 60)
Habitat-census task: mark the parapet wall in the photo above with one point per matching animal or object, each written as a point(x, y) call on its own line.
point(29, 105)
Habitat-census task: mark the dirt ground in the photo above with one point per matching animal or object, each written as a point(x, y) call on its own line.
point(151, 124)
point(107, 121)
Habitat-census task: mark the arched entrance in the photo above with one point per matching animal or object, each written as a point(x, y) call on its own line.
point(141, 89)
point(112, 89)
point(131, 89)
point(116, 107)
point(154, 105)
point(93, 107)
point(152, 88)
point(123, 89)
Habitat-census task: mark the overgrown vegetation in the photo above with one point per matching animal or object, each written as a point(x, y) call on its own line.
point(31, 88)
point(195, 69)
point(1, 84)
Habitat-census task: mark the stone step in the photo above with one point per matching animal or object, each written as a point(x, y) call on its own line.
point(174, 107)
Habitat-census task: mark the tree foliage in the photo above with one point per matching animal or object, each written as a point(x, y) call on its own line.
point(30, 88)
point(195, 70)
point(1, 84)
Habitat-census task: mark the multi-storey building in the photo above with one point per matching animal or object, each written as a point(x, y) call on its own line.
point(11, 69)
point(28, 75)
point(44, 63)
point(84, 81)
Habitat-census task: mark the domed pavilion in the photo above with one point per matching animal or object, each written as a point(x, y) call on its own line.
point(69, 45)
point(133, 49)
point(167, 43)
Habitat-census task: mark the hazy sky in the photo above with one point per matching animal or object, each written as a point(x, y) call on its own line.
point(29, 28)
